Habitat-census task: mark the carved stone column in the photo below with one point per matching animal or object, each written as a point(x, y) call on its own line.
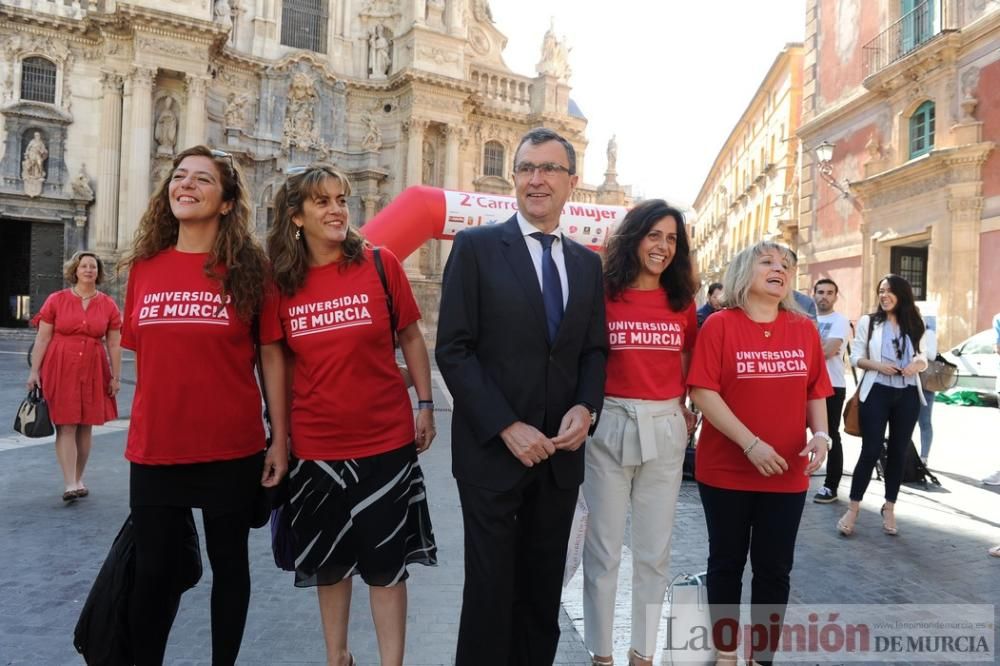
point(452, 141)
point(419, 11)
point(194, 133)
point(109, 162)
point(371, 202)
point(413, 129)
point(453, 17)
point(139, 143)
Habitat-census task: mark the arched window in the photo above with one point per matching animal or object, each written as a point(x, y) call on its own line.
point(493, 159)
point(922, 130)
point(303, 24)
point(38, 80)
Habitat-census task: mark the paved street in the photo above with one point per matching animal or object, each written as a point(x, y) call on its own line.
point(52, 551)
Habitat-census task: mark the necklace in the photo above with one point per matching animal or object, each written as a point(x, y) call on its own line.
point(81, 296)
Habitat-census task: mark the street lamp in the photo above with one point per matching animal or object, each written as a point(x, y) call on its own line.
point(824, 153)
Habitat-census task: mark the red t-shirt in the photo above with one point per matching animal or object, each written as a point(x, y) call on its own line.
point(766, 381)
point(348, 398)
point(196, 397)
point(646, 339)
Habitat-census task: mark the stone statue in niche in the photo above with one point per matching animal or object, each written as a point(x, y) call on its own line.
point(430, 161)
point(81, 185)
point(970, 82)
point(373, 135)
point(300, 112)
point(165, 131)
point(223, 13)
point(872, 148)
point(236, 110)
point(555, 56)
point(612, 154)
point(378, 53)
point(33, 165)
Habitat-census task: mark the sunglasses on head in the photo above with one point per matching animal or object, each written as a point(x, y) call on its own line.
point(224, 155)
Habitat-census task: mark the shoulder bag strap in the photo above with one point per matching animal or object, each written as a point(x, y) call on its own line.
point(380, 269)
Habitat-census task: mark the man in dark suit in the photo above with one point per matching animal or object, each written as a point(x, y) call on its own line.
point(522, 346)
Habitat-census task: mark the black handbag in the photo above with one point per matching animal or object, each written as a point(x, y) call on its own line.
point(32, 418)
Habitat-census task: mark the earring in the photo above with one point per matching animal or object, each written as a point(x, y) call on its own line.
point(298, 234)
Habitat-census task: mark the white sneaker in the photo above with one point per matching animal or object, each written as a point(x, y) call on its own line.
point(993, 479)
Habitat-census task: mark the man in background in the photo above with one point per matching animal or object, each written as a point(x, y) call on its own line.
point(713, 303)
point(833, 331)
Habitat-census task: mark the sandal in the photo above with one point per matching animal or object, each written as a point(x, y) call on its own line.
point(636, 659)
point(725, 658)
point(601, 661)
point(82, 492)
point(69, 496)
point(891, 530)
point(847, 528)
point(994, 551)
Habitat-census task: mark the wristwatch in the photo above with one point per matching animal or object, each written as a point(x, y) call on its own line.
point(593, 414)
point(826, 438)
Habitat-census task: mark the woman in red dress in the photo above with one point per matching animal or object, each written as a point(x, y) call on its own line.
point(71, 365)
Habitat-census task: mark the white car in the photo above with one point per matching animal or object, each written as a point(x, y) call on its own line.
point(978, 363)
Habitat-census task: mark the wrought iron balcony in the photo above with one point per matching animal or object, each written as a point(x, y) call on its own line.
point(914, 29)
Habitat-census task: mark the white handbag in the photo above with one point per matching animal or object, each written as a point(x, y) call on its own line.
point(689, 625)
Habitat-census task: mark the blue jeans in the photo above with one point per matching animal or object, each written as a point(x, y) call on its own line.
point(926, 425)
point(898, 408)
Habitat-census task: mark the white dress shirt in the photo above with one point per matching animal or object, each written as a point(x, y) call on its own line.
point(535, 250)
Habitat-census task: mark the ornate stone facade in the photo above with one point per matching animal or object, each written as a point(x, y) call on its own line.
point(923, 195)
point(397, 93)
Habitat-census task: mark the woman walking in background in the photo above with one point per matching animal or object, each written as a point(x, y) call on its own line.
point(636, 454)
point(759, 377)
point(196, 439)
point(890, 346)
point(358, 500)
point(79, 332)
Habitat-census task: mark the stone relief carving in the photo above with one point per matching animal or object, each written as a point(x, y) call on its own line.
point(440, 56)
point(33, 165)
point(555, 56)
point(173, 48)
point(81, 185)
point(383, 8)
point(481, 10)
point(872, 147)
point(300, 112)
point(373, 135)
point(379, 59)
point(165, 130)
point(236, 110)
point(479, 41)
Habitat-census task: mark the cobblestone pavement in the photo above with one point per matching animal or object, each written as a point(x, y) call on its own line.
point(51, 552)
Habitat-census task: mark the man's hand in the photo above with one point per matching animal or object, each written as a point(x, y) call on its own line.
point(527, 443)
point(573, 429)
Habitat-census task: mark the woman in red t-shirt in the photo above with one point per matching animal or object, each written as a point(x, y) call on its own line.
point(758, 376)
point(357, 493)
point(636, 454)
point(196, 439)
point(69, 361)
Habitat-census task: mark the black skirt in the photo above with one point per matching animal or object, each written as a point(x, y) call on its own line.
point(365, 516)
point(220, 486)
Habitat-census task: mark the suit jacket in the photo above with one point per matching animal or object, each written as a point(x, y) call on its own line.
point(493, 352)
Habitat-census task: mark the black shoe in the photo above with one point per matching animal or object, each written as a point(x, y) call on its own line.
point(825, 496)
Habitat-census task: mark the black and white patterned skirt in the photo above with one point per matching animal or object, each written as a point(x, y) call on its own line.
point(363, 516)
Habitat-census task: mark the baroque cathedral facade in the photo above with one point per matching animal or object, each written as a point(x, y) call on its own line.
point(96, 96)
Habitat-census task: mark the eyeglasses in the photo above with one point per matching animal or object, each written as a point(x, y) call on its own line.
point(547, 169)
point(224, 155)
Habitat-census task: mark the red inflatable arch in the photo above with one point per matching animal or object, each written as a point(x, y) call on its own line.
point(420, 213)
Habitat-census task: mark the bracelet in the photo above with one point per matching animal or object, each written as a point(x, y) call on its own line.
point(425, 404)
point(747, 450)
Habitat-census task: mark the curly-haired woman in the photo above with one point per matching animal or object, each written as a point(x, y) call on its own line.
point(196, 440)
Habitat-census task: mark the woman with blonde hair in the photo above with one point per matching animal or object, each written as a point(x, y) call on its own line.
point(79, 331)
point(358, 500)
point(196, 440)
point(753, 463)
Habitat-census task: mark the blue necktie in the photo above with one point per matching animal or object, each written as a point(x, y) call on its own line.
point(551, 285)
